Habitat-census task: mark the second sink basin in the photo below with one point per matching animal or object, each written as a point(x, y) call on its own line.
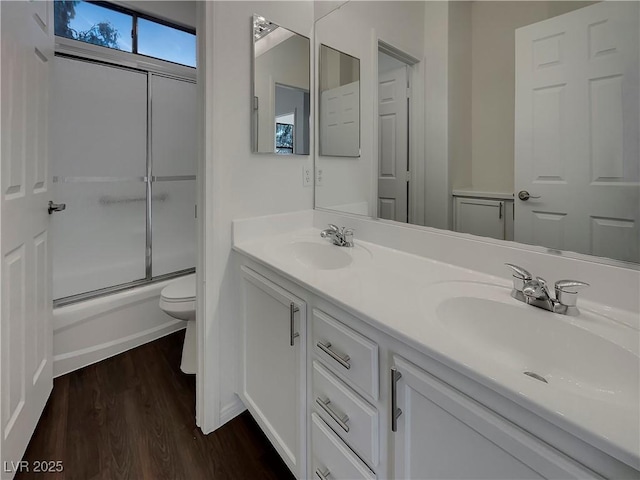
point(545, 346)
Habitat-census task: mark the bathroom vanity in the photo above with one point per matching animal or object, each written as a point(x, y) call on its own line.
point(368, 362)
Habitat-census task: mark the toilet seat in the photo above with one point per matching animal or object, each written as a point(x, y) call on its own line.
point(182, 290)
point(178, 298)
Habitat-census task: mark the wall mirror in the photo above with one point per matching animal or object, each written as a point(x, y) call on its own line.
point(339, 103)
point(281, 97)
point(516, 120)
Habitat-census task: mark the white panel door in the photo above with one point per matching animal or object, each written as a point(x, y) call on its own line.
point(393, 148)
point(577, 132)
point(340, 121)
point(25, 326)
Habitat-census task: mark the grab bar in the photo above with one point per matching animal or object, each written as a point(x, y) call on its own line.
point(111, 200)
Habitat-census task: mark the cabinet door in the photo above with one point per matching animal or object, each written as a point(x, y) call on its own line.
point(273, 386)
point(442, 434)
point(477, 216)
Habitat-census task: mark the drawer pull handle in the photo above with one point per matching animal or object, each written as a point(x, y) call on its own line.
point(395, 411)
point(322, 475)
point(341, 359)
point(340, 420)
point(293, 309)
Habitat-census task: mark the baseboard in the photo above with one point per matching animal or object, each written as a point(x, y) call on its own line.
point(231, 410)
point(68, 362)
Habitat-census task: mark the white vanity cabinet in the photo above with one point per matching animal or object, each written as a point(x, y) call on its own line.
point(345, 382)
point(332, 458)
point(441, 433)
point(325, 402)
point(274, 365)
point(484, 214)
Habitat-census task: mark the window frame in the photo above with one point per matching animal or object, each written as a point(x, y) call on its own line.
point(134, 30)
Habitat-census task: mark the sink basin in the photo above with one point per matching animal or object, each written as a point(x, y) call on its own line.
point(322, 256)
point(552, 349)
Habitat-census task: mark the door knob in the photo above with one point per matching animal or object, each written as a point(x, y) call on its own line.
point(524, 195)
point(56, 207)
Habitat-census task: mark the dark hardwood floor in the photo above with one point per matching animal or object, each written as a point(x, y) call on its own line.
point(133, 416)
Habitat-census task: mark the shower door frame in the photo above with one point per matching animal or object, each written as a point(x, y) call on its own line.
point(149, 179)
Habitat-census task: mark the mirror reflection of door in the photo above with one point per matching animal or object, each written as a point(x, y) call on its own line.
point(393, 139)
point(291, 120)
point(576, 135)
point(339, 103)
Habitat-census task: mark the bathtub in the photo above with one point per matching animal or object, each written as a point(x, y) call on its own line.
point(92, 330)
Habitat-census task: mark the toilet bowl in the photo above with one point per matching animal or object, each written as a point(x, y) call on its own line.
point(178, 299)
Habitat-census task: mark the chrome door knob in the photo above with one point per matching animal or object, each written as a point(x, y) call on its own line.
point(524, 195)
point(56, 207)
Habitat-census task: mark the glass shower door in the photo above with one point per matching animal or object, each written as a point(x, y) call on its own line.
point(174, 153)
point(99, 169)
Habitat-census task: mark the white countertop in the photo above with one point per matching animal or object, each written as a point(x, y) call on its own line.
point(397, 293)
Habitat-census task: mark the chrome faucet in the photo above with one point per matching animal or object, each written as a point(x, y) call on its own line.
point(535, 292)
point(342, 237)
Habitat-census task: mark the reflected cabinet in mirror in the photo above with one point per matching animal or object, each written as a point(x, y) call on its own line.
point(514, 120)
point(339, 103)
point(281, 97)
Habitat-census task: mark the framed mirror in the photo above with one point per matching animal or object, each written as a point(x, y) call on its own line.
point(507, 120)
point(339, 103)
point(281, 96)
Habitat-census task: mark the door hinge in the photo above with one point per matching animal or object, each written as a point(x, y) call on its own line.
point(408, 175)
point(408, 92)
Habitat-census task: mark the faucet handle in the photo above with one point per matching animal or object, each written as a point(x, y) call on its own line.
point(520, 277)
point(519, 272)
point(334, 227)
point(570, 286)
point(567, 291)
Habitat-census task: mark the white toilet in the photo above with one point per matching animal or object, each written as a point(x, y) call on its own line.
point(178, 299)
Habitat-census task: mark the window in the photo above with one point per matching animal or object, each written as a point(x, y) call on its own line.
point(94, 24)
point(167, 43)
point(284, 134)
point(100, 23)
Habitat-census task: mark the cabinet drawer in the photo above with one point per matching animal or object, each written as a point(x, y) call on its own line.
point(349, 354)
point(353, 419)
point(332, 458)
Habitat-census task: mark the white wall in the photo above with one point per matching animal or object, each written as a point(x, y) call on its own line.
point(460, 80)
point(238, 184)
point(182, 12)
point(355, 29)
point(437, 211)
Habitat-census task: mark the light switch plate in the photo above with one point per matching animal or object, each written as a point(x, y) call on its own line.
point(307, 176)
